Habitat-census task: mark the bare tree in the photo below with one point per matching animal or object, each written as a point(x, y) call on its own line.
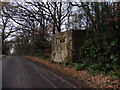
point(54, 12)
point(7, 26)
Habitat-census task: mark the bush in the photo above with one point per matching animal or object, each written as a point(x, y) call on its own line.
point(100, 53)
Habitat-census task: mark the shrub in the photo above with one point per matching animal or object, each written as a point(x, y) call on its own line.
point(100, 53)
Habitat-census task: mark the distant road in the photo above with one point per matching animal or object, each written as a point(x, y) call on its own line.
point(19, 72)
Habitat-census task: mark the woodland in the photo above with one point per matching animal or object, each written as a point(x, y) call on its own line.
point(27, 29)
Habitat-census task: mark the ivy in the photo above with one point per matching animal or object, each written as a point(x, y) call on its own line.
point(101, 53)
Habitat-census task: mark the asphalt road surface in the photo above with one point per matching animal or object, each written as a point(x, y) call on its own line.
point(19, 72)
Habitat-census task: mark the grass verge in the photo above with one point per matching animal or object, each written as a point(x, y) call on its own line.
point(94, 81)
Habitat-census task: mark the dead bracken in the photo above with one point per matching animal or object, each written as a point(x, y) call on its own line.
point(94, 81)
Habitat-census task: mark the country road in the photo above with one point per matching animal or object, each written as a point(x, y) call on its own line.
point(20, 72)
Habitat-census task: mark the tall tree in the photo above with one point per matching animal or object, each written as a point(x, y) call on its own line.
point(7, 26)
